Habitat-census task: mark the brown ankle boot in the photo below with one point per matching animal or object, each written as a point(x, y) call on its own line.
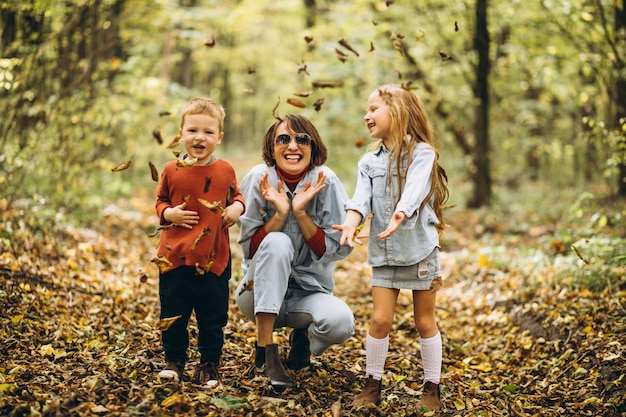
point(370, 393)
point(299, 358)
point(274, 369)
point(431, 397)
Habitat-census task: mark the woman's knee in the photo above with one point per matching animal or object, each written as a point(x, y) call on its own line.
point(277, 244)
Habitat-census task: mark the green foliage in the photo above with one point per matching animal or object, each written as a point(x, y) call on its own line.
point(80, 100)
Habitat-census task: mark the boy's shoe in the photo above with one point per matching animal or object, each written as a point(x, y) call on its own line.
point(173, 370)
point(370, 393)
point(208, 374)
point(299, 358)
point(431, 397)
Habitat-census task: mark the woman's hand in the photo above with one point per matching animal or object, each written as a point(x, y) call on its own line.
point(306, 194)
point(278, 197)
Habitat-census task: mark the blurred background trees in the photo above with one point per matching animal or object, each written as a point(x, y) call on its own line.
point(519, 92)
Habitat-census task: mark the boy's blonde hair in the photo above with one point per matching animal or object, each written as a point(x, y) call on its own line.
point(201, 105)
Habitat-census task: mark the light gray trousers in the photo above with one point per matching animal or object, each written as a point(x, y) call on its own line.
point(265, 289)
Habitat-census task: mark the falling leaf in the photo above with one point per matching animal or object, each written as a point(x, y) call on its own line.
point(249, 91)
point(317, 105)
point(162, 263)
point(327, 84)
point(157, 135)
point(444, 56)
point(153, 172)
point(456, 26)
point(274, 114)
point(175, 142)
point(247, 286)
point(303, 69)
point(296, 103)
point(580, 254)
point(359, 142)
point(122, 166)
point(420, 35)
point(340, 53)
point(164, 113)
point(214, 206)
point(210, 43)
point(308, 39)
point(176, 154)
point(187, 162)
point(167, 322)
point(371, 47)
point(251, 70)
point(304, 94)
point(204, 232)
point(346, 45)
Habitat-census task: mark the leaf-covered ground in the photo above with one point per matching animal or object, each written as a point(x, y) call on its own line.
point(79, 309)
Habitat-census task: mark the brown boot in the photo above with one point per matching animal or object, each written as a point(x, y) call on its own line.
point(299, 358)
point(370, 393)
point(431, 398)
point(274, 369)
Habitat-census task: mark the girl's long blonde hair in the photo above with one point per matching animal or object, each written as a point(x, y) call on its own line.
point(408, 117)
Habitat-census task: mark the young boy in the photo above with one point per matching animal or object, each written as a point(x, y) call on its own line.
point(198, 199)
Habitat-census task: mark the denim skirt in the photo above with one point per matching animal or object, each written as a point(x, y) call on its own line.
point(412, 277)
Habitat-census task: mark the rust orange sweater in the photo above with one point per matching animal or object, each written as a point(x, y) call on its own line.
point(207, 244)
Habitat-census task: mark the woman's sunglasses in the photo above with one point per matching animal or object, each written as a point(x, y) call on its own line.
point(302, 139)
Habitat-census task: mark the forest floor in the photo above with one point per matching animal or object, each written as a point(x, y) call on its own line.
point(522, 337)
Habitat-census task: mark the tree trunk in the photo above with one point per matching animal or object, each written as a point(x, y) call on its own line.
point(620, 97)
point(482, 170)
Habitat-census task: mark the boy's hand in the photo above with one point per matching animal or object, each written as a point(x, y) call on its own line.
point(178, 216)
point(231, 214)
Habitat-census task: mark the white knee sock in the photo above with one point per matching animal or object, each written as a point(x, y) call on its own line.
point(431, 357)
point(376, 353)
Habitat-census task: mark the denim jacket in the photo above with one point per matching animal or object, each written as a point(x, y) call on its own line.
point(327, 208)
point(376, 194)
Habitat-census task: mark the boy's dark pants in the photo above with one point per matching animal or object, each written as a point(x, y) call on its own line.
point(183, 290)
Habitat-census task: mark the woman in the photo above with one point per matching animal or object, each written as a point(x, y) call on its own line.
point(290, 249)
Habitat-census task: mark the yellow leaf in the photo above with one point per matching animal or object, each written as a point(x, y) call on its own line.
point(165, 323)
point(587, 17)
point(484, 367)
point(483, 261)
point(459, 404)
point(173, 399)
point(122, 166)
point(588, 330)
point(163, 263)
point(46, 350)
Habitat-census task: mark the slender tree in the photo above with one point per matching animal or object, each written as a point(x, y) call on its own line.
point(482, 169)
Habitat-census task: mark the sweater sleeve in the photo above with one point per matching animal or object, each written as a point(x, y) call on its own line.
point(317, 242)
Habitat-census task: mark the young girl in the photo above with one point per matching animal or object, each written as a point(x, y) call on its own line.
point(402, 185)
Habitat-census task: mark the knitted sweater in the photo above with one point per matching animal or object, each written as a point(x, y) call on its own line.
point(207, 244)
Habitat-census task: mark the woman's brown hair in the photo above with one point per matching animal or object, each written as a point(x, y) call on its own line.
point(295, 123)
